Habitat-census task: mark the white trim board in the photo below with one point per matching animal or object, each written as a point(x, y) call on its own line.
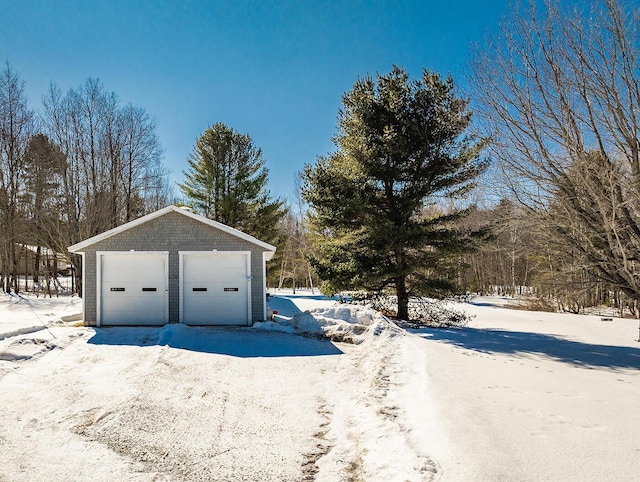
point(78, 247)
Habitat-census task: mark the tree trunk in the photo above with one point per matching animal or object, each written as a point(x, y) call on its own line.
point(14, 267)
point(310, 277)
point(76, 261)
point(403, 298)
point(282, 267)
point(36, 263)
point(47, 275)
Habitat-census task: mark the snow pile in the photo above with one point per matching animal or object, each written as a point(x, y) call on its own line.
point(345, 323)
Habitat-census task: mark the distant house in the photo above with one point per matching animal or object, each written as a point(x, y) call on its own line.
point(173, 266)
point(49, 261)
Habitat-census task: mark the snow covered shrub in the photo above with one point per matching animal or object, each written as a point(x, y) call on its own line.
point(436, 313)
point(536, 304)
point(422, 311)
point(347, 324)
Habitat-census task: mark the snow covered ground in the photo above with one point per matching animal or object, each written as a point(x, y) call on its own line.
point(27, 314)
point(516, 396)
point(537, 396)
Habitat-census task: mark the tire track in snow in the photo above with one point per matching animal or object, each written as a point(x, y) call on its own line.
point(370, 437)
point(194, 416)
point(147, 428)
point(322, 446)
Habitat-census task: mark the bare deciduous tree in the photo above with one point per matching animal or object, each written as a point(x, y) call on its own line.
point(560, 95)
point(16, 127)
point(113, 173)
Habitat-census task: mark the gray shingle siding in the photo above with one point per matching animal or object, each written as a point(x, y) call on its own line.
point(172, 232)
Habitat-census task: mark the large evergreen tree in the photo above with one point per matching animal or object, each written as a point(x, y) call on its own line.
point(43, 200)
point(227, 180)
point(400, 149)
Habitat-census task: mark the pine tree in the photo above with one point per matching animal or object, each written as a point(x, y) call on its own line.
point(17, 123)
point(400, 149)
point(42, 202)
point(227, 180)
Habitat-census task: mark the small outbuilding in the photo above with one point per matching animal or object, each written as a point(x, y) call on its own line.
point(173, 266)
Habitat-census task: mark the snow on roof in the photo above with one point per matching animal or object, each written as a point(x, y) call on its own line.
point(78, 247)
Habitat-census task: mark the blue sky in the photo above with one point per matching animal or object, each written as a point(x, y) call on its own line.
point(273, 69)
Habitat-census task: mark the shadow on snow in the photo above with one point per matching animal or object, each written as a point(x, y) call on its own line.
point(232, 341)
point(522, 343)
point(486, 304)
point(284, 306)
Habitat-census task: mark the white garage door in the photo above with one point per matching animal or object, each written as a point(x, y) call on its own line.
point(133, 288)
point(215, 288)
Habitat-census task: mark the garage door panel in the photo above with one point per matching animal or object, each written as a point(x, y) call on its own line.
point(134, 298)
point(132, 267)
point(208, 297)
point(233, 286)
point(206, 277)
point(129, 315)
point(215, 289)
point(200, 269)
point(230, 316)
point(133, 289)
point(218, 261)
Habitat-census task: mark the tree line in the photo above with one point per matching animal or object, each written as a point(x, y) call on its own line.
point(549, 127)
point(83, 164)
point(559, 95)
point(556, 105)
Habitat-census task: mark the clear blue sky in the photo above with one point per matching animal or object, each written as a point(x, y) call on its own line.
point(273, 69)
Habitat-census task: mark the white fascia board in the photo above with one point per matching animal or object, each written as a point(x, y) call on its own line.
point(84, 298)
point(78, 247)
point(264, 287)
point(227, 229)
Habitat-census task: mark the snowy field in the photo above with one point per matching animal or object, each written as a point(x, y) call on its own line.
point(516, 396)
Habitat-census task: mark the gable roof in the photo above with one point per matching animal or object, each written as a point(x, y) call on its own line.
point(78, 247)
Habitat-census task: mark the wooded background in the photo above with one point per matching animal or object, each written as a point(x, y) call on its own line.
point(554, 104)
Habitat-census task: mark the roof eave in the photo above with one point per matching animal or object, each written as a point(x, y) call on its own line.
point(79, 247)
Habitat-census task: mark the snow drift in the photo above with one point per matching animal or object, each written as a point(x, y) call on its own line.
point(346, 323)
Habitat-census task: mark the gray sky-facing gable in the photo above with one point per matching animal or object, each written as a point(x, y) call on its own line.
point(79, 247)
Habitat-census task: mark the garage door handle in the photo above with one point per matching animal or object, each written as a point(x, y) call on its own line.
point(149, 289)
point(199, 289)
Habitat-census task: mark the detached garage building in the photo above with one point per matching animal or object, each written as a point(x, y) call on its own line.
point(173, 266)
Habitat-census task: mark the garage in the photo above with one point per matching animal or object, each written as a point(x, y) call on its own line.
point(215, 288)
point(173, 266)
point(133, 288)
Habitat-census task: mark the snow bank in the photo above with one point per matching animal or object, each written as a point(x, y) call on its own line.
point(23, 314)
point(26, 322)
point(344, 323)
point(516, 396)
